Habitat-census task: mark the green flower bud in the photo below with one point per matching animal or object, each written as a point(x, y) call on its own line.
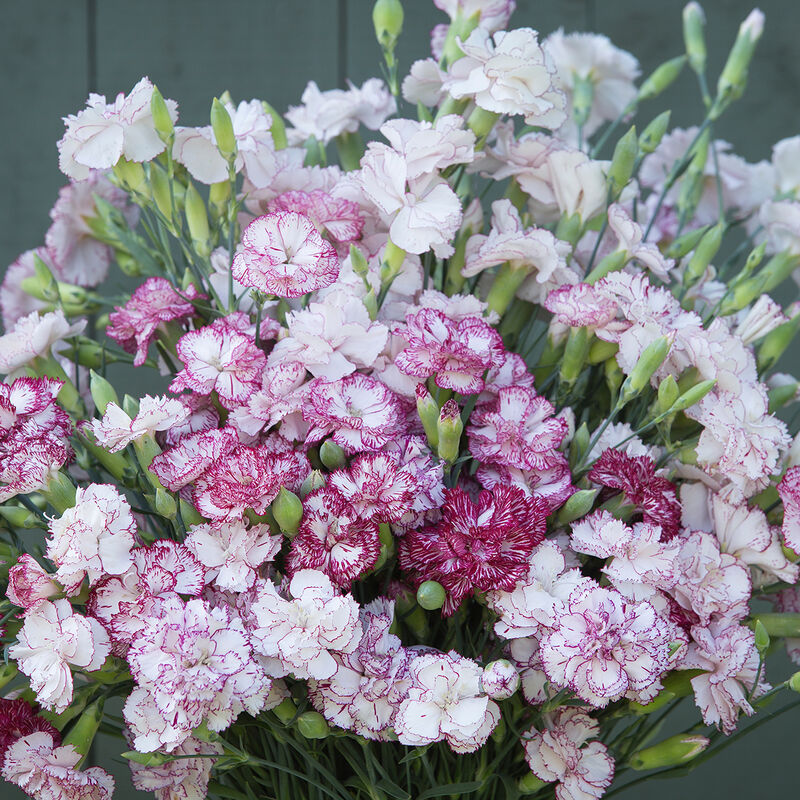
point(530, 784)
point(102, 391)
point(653, 134)
point(332, 455)
point(165, 504)
point(197, 221)
point(147, 759)
point(686, 243)
point(780, 626)
point(504, 287)
point(160, 193)
point(778, 269)
point(449, 429)
point(601, 351)
point(613, 375)
point(575, 354)
point(578, 505)
point(359, 263)
point(218, 195)
point(82, 733)
point(568, 229)
point(794, 682)
point(779, 396)
point(761, 637)
point(706, 249)
point(146, 449)
point(582, 98)
point(579, 445)
point(668, 393)
point(694, 21)
point(659, 701)
point(660, 78)
point(312, 725)
point(287, 510)
point(222, 126)
point(285, 711)
point(60, 492)
point(680, 681)
point(623, 161)
point(431, 595)
point(481, 122)
point(18, 517)
point(316, 480)
point(611, 263)
point(131, 176)
point(46, 280)
point(162, 120)
point(387, 18)
point(733, 78)
point(278, 127)
point(693, 395)
point(677, 749)
point(651, 359)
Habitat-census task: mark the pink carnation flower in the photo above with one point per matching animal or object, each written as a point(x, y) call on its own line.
point(93, 538)
point(333, 540)
point(604, 647)
point(33, 336)
point(359, 412)
point(298, 633)
point(445, 702)
point(476, 546)
point(46, 771)
point(52, 639)
point(338, 218)
point(560, 754)
point(29, 584)
point(31, 470)
point(455, 354)
point(789, 491)
point(283, 254)
point(551, 482)
point(18, 719)
point(187, 460)
point(116, 430)
point(153, 304)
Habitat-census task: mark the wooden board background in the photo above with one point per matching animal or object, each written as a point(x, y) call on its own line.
point(53, 52)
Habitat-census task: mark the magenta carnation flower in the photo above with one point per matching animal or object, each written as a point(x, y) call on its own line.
point(476, 546)
point(18, 719)
point(340, 219)
point(285, 255)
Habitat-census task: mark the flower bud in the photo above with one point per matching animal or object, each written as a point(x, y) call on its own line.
point(131, 176)
point(359, 263)
point(653, 134)
point(285, 711)
point(387, 18)
point(582, 97)
point(779, 396)
point(449, 429)
point(668, 393)
point(332, 455)
point(611, 263)
point(165, 504)
point(601, 351)
point(530, 784)
point(568, 229)
point(147, 759)
point(350, 147)
point(659, 701)
point(160, 193)
point(82, 733)
point(677, 749)
point(694, 21)
point(578, 505)
point(162, 121)
point(706, 249)
point(623, 161)
point(781, 626)
point(693, 395)
point(794, 682)
point(102, 391)
point(431, 595)
point(650, 360)
point(312, 725)
point(197, 221)
point(761, 637)
point(45, 280)
point(218, 196)
point(18, 517)
point(680, 681)
point(287, 510)
point(579, 445)
point(685, 243)
point(733, 78)
point(316, 480)
point(60, 492)
point(278, 127)
point(222, 126)
point(500, 679)
point(660, 78)
point(575, 354)
point(613, 375)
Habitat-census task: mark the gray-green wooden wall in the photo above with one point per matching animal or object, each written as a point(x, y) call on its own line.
point(54, 52)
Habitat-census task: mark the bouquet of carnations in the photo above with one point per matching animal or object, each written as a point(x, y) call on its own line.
point(468, 459)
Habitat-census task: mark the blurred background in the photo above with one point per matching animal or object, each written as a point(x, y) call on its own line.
point(52, 54)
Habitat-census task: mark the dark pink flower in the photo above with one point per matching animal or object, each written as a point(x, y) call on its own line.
point(18, 719)
point(476, 546)
point(455, 354)
point(636, 477)
point(789, 490)
point(285, 255)
point(340, 219)
point(151, 306)
point(178, 466)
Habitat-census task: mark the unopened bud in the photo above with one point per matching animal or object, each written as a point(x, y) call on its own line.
point(706, 249)
point(782, 626)
point(575, 354)
point(449, 429)
point(685, 243)
point(623, 161)
point(332, 455)
point(659, 701)
point(222, 126)
point(278, 127)
point(530, 784)
point(312, 725)
point(601, 351)
point(60, 492)
point(569, 228)
point(165, 504)
point(650, 360)
point(46, 280)
point(779, 396)
point(18, 517)
point(431, 595)
point(147, 759)
point(794, 682)
point(197, 221)
point(358, 262)
point(387, 18)
point(285, 711)
point(315, 480)
point(680, 681)
point(159, 191)
point(733, 78)
point(677, 749)
point(668, 393)
point(102, 391)
point(287, 510)
point(653, 134)
point(579, 505)
point(611, 263)
point(694, 21)
point(162, 120)
point(661, 78)
point(692, 395)
point(500, 679)
point(761, 637)
point(579, 445)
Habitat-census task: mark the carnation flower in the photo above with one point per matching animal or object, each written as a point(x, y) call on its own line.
point(196, 148)
point(455, 354)
point(481, 546)
point(635, 476)
point(424, 83)
point(29, 584)
point(33, 336)
point(338, 218)
point(18, 719)
point(219, 358)
point(46, 771)
point(31, 469)
point(15, 302)
point(508, 73)
point(500, 679)
point(116, 430)
point(551, 483)
point(195, 665)
point(445, 701)
point(517, 430)
point(52, 638)
point(93, 538)
point(359, 412)
point(789, 491)
point(629, 241)
point(604, 647)
point(231, 552)
point(298, 633)
point(325, 115)
point(283, 254)
point(560, 754)
point(492, 14)
point(334, 540)
point(101, 134)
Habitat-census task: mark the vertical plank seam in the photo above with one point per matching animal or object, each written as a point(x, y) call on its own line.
point(91, 46)
point(341, 44)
